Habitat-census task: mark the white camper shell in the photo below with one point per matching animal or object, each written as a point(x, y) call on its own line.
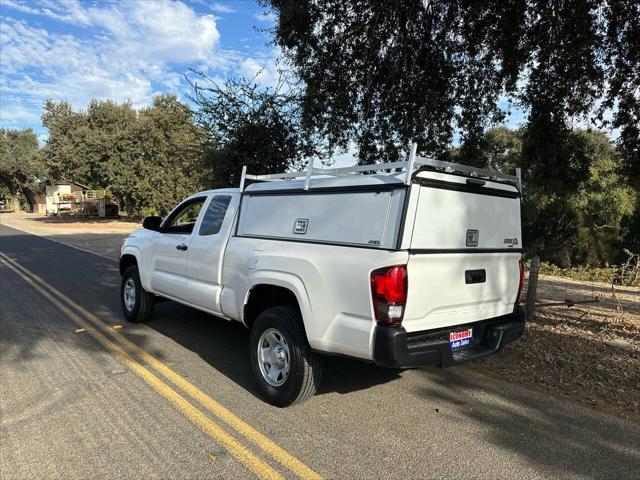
point(420, 267)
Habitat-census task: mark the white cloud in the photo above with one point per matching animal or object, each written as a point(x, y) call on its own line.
point(217, 7)
point(221, 8)
point(33, 48)
point(154, 30)
point(77, 51)
point(118, 51)
point(266, 17)
point(14, 115)
point(20, 7)
point(159, 31)
point(263, 71)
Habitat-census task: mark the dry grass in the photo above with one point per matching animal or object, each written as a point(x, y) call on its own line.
point(589, 353)
point(67, 224)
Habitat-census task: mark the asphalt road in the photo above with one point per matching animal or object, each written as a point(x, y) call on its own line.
point(73, 406)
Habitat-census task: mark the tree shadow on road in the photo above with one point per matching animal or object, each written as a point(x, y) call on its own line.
point(93, 282)
point(553, 435)
point(224, 345)
point(78, 219)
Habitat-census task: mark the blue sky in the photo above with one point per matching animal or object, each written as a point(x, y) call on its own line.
point(128, 50)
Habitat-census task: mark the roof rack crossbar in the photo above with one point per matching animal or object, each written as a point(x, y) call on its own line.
point(376, 167)
point(474, 171)
point(410, 165)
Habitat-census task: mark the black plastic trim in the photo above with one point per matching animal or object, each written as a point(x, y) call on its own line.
point(317, 242)
point(403, 218)
point(421, 251)
point(472, 277)
point(476, 181)
point(466, 188)
point(338, 189)
point(394, 347)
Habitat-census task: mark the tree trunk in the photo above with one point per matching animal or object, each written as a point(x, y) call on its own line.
point(532, 288)
point(31, 198)
point(596, 244)
point(15, 203)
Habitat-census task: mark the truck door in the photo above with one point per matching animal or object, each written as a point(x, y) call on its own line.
point(206, 252)
point(169, 250)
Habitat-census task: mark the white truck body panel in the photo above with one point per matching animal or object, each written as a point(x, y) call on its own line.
point(371, 219)
point(442, 217)
point(438, 295)
point(331, 285)
point(168, 266)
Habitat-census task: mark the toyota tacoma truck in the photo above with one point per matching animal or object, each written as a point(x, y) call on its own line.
point(417, 267)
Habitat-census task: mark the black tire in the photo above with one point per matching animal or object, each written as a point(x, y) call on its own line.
point(145, 302)
point(305, 367)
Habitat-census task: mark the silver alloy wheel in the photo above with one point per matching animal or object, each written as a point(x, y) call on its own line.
point(129, 294)
point(273, 357)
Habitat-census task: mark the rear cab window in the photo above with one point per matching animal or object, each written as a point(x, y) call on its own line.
point(214, 216)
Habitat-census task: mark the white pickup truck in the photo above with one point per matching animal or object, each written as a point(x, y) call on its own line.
point(421, 267)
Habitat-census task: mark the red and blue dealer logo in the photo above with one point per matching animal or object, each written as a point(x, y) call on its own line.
point(461, 339)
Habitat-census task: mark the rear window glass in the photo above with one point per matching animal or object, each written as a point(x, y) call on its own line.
point(214, 216)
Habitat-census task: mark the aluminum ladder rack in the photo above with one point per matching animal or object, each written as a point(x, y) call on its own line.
point(411, 165)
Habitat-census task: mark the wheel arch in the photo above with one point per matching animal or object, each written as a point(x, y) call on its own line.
point(273, 291)
point(126, 260)
point(131, 255)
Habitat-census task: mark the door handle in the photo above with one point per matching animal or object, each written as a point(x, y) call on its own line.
point(475, 276)
point(182, 247)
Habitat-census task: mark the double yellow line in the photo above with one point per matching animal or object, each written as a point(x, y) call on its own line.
point(123, 349)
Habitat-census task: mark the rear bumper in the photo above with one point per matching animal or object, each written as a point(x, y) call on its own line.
point(394, 347)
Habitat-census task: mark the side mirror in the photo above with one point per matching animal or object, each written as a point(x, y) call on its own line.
point(152, 223)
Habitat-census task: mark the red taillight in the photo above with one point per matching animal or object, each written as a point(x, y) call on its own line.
point(521, 284)
point(389, 293)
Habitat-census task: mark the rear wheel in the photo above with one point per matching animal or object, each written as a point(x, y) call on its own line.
point(137, 304)
point(285, 369)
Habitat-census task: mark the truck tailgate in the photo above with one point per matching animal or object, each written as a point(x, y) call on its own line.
point(456, 288)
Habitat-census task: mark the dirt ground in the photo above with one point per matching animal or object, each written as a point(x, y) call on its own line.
point(66, 224)
point(589, 352)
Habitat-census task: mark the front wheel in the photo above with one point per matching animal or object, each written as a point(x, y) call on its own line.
point(285, 368)
point(137, 304)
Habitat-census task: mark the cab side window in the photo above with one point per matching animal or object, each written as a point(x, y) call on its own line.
point(184, 219)
point(214, 216)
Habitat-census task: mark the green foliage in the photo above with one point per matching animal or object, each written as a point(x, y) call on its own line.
point(577, 214)
point(500, 148)
point(588, 208)
point(384, 73)
point(249, 125)
point(5, 193)
point(66, 152)
point(21, 168)
point(148, 159)
point(631, 229)
point(622, 57)
point(148, 212)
